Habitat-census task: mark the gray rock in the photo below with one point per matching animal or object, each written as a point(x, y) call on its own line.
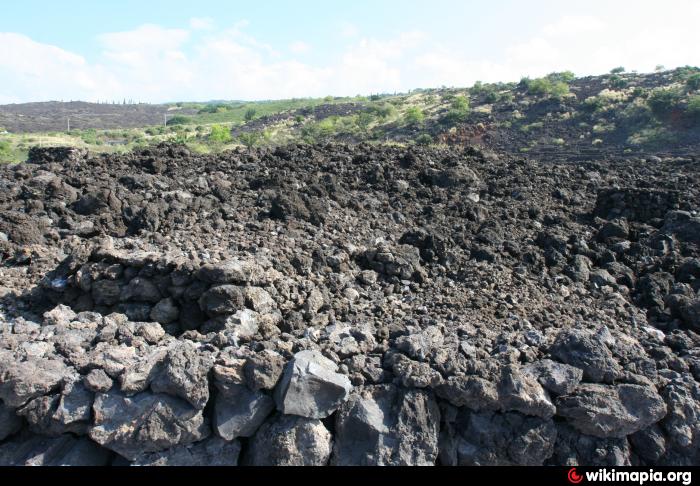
point(105, 292)
point(57, 414)
point(472, 392)
point(222, 300)
point(140, 289)
point(520, 392)
point(288, 440)
point(152, 332)
point(682, 224)
point(239, 411)
point(183, 374)
point(165, 311)
point(558, 378)
point(573, 448)
point(310, 386)
point(23, 381)
point(496, 439)
point(59, 315)
point(682, 423)
point(244, 324)
point(145, 423)
point(210, 452)
point(420, 346)
point(387, 425)
point(611, 411)
point(74, 406)
point(413, 374)
point(584, 350)
point(263, 370)
point(98, 381)
point(233, 271)
point(137, 376)
point(259, 300)
point(65, 450)
point(10, 423)
point(650, 443)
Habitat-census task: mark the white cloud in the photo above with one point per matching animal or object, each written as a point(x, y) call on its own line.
point(299, 47)
point(202, 23)
point(162, 64)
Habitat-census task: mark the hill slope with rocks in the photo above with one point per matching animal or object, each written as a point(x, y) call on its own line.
point(348, 305)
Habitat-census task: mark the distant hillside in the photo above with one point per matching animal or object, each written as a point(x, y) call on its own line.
point(53, 116)
point(559, 114)
point(557, 117)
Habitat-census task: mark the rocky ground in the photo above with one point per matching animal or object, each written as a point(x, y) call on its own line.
point(348, 305)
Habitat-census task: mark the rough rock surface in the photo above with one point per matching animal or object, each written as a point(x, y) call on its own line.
point(337, 304)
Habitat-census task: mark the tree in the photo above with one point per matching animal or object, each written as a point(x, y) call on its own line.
point(663, 101)
point(220, 134)
point(617, 70)
point(693, 82)
point(179, 120)
point(249, 139)
point(414, 116)
point(250, 114)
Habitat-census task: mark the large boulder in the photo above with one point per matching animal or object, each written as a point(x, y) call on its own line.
point(558, 378)
point(310, 386)
point(25, 380)
point(496, 439)
point(222, 300)
point(65, 450)
point(184, 374)
point(211, 452)
point(10, 423)
point(611, 411)
point(145, 423)
point(585, 350)
point(233, 272)
point(387, 425)
point(287, 440)
point(239, 411)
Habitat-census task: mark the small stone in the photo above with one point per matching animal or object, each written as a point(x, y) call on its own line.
point(98, 381)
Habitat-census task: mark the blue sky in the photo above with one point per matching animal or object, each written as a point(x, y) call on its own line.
point(183, 50)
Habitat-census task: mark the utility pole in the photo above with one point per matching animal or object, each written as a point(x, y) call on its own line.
point(165, 120)
point(68, 119)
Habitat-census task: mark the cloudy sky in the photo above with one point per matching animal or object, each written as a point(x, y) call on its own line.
point(156, 51)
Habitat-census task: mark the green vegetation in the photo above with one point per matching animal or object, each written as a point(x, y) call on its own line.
point(555, 85)
point(250, 114)
point(414, 116)
point(663, 101)
point(617, 70)
point(424, 139)
point(693, 82)
point(220, 134)
point(179, 120)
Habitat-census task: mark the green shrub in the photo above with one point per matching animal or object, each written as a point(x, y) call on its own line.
point(460, 103)
point(424, 139)
point(693, 109)
point(693, 82)
point(492, 97)
point(220, 134)
point(663, 101)
point(179, 120)
point(250, 114)
point(617, 82)
point(414, 116)
point(249, 139)
point(617, 70)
